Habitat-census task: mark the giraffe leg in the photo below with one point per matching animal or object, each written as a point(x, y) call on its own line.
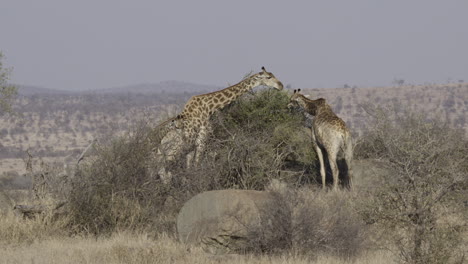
point(322, 166)
point(189, 134)
point(200, 144)
point(334, 168)
point(320, 157)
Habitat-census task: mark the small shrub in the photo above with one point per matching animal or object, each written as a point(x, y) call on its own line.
point(115, 189)
point(416, 203)
point(311, 223)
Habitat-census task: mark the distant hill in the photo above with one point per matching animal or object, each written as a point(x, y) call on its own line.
point(161, 87)
point(31, 90)
point(144, 88)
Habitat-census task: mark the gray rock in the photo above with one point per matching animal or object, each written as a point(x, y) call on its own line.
point(219, 220)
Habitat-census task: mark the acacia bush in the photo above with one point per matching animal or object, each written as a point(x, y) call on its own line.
point(115, 189)
point(257, 139)
point(253, 140)
point(422, 201)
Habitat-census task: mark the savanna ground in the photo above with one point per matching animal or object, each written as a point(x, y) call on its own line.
point(408, 204)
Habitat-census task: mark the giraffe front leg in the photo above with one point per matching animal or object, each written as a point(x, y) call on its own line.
point(322, 165)
point(320, 157)
point(200, 143)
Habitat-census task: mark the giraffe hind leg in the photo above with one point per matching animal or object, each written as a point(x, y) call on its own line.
point(334, 169)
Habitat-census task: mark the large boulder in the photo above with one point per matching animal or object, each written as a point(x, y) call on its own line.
point(219, 221)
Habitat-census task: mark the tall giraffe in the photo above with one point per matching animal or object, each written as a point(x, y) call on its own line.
point(197, 111)
point(329, 134)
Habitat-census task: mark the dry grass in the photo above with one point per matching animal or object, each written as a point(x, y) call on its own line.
point(40, 240)
point(17, 231)
point(132, 248)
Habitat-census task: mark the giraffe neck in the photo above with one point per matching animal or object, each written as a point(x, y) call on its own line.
point(220, 99)
point(235, 91)
point(305, 104)
point(314, 107)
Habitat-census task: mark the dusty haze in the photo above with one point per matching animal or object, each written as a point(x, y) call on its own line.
point(88, 44)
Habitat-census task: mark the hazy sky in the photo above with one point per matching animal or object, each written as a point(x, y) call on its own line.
point(89, 44)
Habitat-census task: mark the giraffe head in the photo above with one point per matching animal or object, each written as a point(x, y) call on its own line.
point(296, 100)
point(300, 102)
point(177, 122)
point(267, 79)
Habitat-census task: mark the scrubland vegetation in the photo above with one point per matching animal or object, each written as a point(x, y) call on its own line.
point(58, 126)
point(119, 211)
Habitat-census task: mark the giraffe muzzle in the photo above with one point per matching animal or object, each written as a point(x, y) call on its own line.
point(279, 86)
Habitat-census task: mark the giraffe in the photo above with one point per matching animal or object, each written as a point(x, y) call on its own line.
point(196, 113)
point(329, 134)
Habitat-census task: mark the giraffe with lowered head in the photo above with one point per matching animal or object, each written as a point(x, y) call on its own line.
point(329, 134)
point(195, 117)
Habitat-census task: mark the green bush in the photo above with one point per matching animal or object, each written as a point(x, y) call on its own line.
point(254, 140)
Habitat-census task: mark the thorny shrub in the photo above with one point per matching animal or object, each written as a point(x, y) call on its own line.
point(310, 222)
point(421, 202)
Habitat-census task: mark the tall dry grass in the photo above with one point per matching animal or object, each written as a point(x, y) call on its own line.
point(15, 230)
point(140, 248)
